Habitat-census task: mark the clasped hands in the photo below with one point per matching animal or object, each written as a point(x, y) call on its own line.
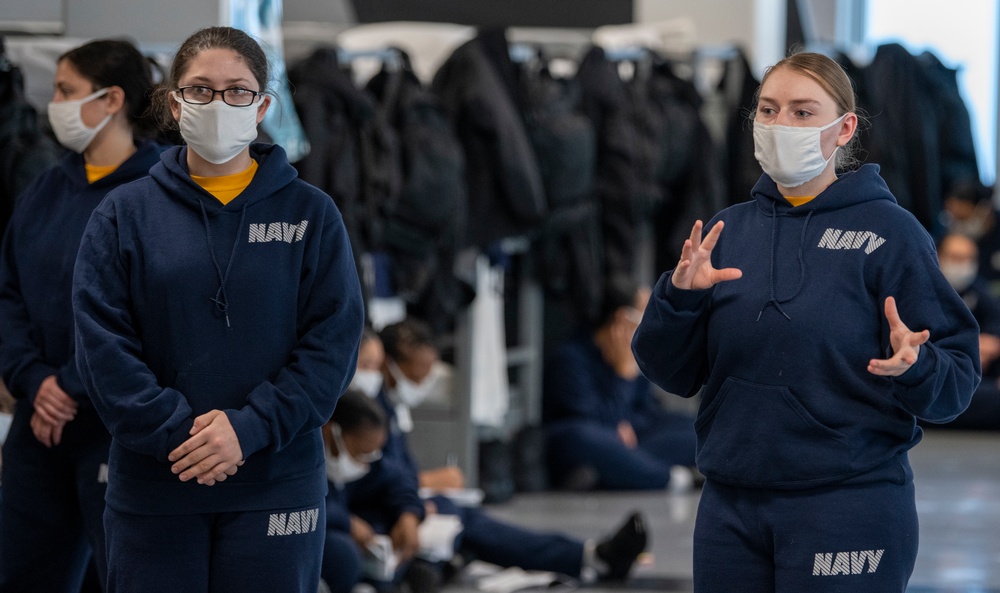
point(694, 271)
point(211, 454)
point(54, 409)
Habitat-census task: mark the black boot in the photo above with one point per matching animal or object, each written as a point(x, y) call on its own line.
point(620, 550)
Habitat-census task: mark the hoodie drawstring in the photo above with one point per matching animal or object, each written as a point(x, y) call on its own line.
point(802, 264)
point(220, 299)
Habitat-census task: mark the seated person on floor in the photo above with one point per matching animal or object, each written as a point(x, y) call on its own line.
point(412, 371)
point(959, 260)
point(968, 210)
point(367, 495)
point(482, 537)
point(605, 427)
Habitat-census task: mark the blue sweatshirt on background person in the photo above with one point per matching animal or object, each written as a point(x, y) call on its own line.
point(35, 310)
point(586, 400)
point(185, 305)
point(781, 355)
point(54, 488)
point(379, 497)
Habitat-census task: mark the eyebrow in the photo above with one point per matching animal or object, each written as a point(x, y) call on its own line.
point(231, 81)
point(793, 102)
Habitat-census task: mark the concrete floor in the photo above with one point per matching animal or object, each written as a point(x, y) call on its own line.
point(958, 500)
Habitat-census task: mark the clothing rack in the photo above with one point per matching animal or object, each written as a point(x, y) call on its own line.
point(450, 431)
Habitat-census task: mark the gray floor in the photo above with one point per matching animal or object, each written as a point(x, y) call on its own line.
point(958, 499)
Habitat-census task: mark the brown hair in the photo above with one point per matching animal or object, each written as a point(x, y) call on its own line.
point(117, 62)
point(210, 38)
point(831, 76)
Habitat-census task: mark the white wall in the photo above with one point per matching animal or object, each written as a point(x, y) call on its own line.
point(34, 16)
point(756, 25)
point(153, 24)
point(321, 11)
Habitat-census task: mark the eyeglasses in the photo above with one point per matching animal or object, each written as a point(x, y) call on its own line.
point(202, 95)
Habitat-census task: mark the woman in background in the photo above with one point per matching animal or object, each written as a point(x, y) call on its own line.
point(56, 455)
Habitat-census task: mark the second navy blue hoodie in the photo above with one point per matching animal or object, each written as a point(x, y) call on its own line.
point(185, 305)
point(40, 247)
point(782, 353)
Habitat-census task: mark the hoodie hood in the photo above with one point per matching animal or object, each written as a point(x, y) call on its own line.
point(853, 187)
point(72, 166)
point(273, 173)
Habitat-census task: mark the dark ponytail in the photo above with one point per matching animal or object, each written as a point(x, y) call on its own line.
point(116, 62)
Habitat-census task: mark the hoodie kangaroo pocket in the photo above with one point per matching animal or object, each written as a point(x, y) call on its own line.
point(754, 434)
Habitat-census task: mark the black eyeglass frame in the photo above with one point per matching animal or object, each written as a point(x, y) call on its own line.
point(253, 98)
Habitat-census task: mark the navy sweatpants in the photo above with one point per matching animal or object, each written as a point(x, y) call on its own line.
point(571, 444)
point(844, 539)
point(487, 539)
point(51, 520)
point(244, 551)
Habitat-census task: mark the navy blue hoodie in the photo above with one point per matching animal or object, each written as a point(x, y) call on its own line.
point(36, 274)
point(580, 385)
point(782, 353)
point(185, 305)
point(379, 497)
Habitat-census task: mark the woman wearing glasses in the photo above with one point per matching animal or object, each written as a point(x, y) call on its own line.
point(56, 454)
point(218, 320)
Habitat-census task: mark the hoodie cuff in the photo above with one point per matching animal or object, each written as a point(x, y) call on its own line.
point(177, 438)
point(32, 381)
point(921, 370)
point(419, 510)
point(681, 299)
point(250, 431)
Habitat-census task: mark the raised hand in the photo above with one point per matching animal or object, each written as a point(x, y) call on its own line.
point(905, 345)
point(694, 271)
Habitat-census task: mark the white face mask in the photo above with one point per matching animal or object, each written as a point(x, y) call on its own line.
point(791, 155)
point(218, 131)
point(67, 123)
point(960, 276)
point(343, 468)
point(409, 393)
point(367, 382)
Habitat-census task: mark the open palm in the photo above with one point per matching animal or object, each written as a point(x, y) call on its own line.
point(694, 271)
